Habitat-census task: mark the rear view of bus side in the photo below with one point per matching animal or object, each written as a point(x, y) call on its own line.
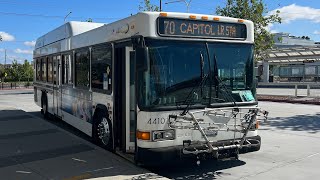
point(154, 85)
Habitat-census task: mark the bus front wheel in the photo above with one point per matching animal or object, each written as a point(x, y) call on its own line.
point(102, 131)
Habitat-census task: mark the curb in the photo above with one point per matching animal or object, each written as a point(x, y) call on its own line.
point(289, 101)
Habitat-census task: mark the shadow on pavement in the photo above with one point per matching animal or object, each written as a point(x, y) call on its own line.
point(43, 151)
point(307, 123)
point(187, 169)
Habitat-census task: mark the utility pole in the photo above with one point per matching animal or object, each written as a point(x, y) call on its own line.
point(160, 5)
point(5, 56)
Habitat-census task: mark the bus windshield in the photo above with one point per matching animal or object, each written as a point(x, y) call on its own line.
point(178, 73)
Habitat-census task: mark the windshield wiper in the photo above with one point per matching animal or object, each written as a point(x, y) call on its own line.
point(192, 92)
point(219, 82)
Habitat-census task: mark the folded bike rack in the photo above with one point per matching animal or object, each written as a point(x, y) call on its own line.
point(243, 118)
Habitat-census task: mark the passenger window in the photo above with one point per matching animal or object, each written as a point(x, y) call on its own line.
point(38, 68)
point(67, 69)
point(101, 69)
point(44, 70)
point(82, 68)
point(50, 69)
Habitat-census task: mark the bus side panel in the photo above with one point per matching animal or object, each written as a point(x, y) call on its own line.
point(77, 108)
point(50, 102)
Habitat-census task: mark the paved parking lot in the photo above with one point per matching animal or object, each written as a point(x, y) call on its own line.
point(34, 148)
point(290, 149)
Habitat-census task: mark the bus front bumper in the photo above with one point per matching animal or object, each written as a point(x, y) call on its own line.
point(155, 156)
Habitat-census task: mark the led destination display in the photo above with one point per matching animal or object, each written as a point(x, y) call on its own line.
point(199, 28)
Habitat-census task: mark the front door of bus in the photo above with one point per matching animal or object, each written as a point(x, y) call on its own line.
point(57, 84)
point(124, 106)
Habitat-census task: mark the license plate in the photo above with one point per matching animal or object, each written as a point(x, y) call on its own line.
point(210, 133)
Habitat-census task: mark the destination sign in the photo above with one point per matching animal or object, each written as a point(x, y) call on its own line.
point(200, 28)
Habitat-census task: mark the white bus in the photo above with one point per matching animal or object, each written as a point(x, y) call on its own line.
point(156, 85)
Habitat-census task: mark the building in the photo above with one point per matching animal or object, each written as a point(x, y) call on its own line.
point(292, 59)
point(285, 40)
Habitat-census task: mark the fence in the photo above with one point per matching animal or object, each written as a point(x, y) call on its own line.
point(290, 89)
point(15, 85)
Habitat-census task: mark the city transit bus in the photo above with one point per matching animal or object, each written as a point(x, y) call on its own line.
point(155, 85)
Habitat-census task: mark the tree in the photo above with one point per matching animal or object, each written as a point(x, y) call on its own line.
point(2, 72)
point(89, 20)
point(254, 10)
point(146, 5)
point(27, 70)
point(16, 72)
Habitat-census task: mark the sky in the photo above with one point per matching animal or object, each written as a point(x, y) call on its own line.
point(23, 21)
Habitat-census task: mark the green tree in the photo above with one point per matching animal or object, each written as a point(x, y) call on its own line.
point(16, 72)
point(2, 72)
point(256, 11)
point(27, 70)
point(146, 5)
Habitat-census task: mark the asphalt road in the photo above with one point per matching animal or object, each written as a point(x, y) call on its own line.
point(34, 148)
point(290, 149)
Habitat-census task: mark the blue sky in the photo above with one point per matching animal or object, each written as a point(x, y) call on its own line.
point(21, 21)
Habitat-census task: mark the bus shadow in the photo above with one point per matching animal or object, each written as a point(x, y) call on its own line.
point(307, 123)
point(187, 169)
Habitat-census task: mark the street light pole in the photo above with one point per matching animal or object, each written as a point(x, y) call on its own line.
point(160, 5)
point(67, 16)
point(185, 1)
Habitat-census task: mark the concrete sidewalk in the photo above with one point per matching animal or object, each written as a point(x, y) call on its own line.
point(33, 148)
point(16, 91)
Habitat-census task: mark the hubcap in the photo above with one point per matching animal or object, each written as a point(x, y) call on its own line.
point(104, 131)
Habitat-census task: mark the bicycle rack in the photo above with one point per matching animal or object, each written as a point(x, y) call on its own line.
point(243, 117)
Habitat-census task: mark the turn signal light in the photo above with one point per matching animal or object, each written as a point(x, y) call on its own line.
point(143, 135)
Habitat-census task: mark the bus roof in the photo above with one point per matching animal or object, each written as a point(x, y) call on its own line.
point(74, 35)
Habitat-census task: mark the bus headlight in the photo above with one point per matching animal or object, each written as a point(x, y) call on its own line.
point(163, 135)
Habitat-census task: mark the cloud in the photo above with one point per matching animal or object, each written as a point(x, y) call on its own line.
point(295, 12)
point(274, 31)
point(6, 36)
point(316, 32)
point(21, 51)
point(30, 43)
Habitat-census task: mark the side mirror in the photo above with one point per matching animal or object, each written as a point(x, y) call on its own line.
point(142, 58)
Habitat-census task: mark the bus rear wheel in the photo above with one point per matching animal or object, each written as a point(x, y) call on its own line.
point(102, 131)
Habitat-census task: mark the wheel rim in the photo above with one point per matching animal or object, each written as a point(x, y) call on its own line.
point(104, 131)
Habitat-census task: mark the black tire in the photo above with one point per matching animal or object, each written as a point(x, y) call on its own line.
point(102, 131)
point(44, 106)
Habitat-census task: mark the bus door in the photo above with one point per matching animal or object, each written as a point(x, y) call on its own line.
point(124, 117)
point(57, 84)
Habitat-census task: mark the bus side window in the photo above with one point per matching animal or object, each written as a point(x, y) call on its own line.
point(66, 69)
point(38, 70)
point(44, 69)
point(49, 69)
point(101, 69)
point(82, 69)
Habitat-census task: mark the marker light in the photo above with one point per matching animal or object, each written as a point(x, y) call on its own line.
point(216, 19)
point(204, 17)
point(240, 20)
point(192, 17)
point(143, 135)
point(163, 14)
